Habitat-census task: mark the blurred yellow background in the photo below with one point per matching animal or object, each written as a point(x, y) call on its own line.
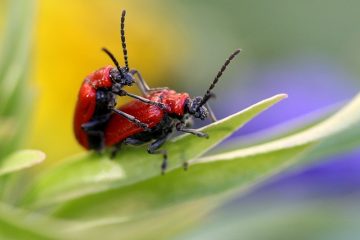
point(69, 36)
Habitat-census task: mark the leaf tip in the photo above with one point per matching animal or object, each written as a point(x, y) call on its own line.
point(38, 156)
point(20, 160)
point(282, 96)
point(41, 155)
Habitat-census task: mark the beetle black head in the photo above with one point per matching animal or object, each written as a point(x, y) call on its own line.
point(121, 75)
point(193, 107)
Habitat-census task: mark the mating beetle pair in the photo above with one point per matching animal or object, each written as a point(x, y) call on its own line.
point(97, 98)
point(148, 118)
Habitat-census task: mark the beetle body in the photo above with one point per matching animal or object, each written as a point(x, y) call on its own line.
point(94, 93)
point(97, 99)
point(118, 129)
point(175, 115)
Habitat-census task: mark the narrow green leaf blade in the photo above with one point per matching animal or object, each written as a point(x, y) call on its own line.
point(15, 50)
point(177, 187)
point(272, 217)
point(13, 226)
point(14, 72)
point(345, 122)
point(136, 164)
point(77, 177)
point(217, 178)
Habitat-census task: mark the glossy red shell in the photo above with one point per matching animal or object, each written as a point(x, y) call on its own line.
point(100, 78)
point(119, 128)
point(86, 103)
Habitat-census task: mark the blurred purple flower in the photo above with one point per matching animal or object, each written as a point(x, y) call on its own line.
point(339, 176)
point(310, 84)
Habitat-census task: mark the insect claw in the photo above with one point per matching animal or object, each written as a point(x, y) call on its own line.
point(203, 135)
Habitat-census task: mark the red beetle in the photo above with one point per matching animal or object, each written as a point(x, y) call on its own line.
point(97, 99)
point(162, 122)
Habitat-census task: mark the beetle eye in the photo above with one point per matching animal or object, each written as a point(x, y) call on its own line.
point(129, 79)
point(115, 75)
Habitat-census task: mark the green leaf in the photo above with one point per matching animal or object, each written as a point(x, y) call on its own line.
point(13, 174)
point(344, 123)
point(275, 216)
point(13, 226)
point(164, 224)
point(14, 72)
point(20, 160)
point(15, 49)
point(217, 178)
point(77, 177)
point(284, 129)
point(7, 129)
point(177, 187)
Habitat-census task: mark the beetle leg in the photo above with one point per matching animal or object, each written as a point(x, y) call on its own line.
point(116, 148)
point(89, 125)
point(154, 149)
point(187, 122)
point(94, 131)
point(157, 89)
point(133, 141)
point(142, 85)
point(180, 127)
point(144, 88)
point(127, 141)
point(211, 112)
point(185, 165)
point(132, 119)
point(93, 124)
point(96, 140)
point(142, 99)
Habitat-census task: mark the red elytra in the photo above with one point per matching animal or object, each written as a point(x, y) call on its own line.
point(97, 98)
point(118, 128)
point(86, 104)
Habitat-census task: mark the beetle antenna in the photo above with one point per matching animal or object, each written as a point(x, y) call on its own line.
point(123, 43)
point(208, 93)
point(114, 61)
